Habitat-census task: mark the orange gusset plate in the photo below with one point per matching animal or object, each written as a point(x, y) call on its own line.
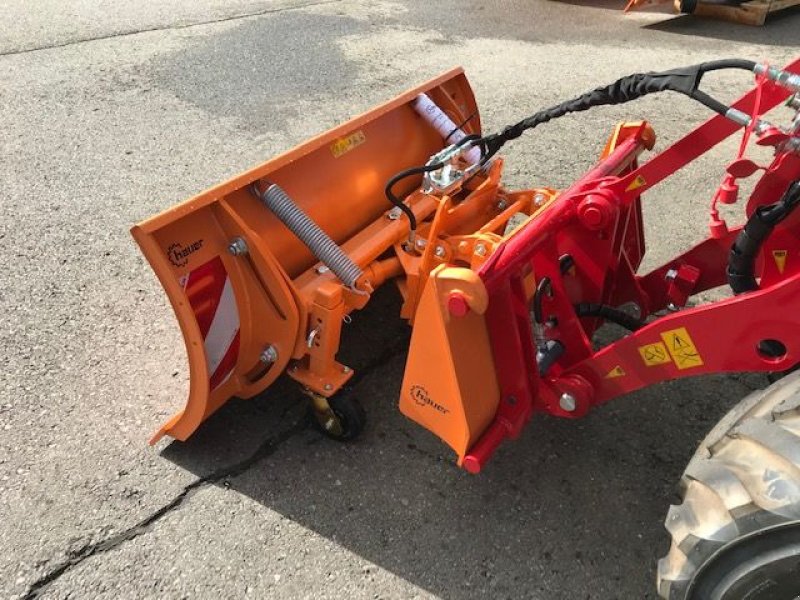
point(230, 308)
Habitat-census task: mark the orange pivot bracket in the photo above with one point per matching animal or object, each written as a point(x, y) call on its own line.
point(450, 385)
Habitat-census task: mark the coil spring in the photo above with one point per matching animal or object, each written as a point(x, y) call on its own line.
point(320, 244)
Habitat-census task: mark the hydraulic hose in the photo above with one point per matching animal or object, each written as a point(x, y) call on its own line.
point(685, 81)
point(608, 313)
point(398, 202)
point(742, 258)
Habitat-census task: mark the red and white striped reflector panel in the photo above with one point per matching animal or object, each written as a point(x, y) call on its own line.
point(211, 297)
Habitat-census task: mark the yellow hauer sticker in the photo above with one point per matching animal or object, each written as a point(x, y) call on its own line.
point(682, 349)
point(654, 354)
point(617, 371)
point(344, 144)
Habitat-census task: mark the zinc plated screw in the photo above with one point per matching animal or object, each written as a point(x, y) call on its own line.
point(237, 247)
point(567, 402)
point(269, 355)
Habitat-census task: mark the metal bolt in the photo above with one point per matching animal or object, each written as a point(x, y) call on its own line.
point(394, 214)
point(322, 269)
point(671, 275)
point(345, 369)
point(502, 205)
point(480, 250)
point(567, 402)
point(539, 199)
point(269, 355)
point(439, 251)
point(421, 243)
point(312, 336)
point(328, 387)
point(237, 247)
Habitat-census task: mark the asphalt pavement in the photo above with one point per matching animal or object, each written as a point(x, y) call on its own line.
point(111, 112)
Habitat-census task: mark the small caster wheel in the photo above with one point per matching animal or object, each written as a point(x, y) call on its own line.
point(340, 417)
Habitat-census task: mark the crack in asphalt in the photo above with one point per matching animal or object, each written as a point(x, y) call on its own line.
point(110, 36)
point(75, 558)
point(266, 449)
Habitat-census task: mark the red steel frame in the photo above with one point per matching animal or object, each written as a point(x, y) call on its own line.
point(598, 222)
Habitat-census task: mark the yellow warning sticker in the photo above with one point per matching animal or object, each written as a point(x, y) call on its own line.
point(682, 349)
point(344, 144)
point(654, 354)
point(617, 371)
point(780, 259)
point(636, 183)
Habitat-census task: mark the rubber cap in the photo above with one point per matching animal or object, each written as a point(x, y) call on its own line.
point(457, 305)
point(471, 464)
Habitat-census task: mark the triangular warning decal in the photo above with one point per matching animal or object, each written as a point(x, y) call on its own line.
point(617, 371)
point(636, 183)
point(780, 259)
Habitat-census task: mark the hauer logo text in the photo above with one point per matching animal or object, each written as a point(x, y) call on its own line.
point(421, 397)
point(178, 254)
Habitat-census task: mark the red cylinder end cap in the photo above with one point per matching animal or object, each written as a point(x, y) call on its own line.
point(457, 305)
point(595, 212)
point(729, 191)
point(471, 464)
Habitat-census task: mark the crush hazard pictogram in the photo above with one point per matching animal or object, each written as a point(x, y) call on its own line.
point(682, 349)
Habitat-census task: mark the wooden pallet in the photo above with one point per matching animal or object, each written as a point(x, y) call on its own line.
point(753, 12)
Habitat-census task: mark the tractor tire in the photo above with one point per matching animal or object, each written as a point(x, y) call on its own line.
point(737, 532)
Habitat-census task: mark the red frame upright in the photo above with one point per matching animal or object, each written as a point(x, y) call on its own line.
point(597, 221)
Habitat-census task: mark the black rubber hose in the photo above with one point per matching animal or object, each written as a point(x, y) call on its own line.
point(542, 288)
point(389, 189)
point(744, 251)
point(728, 63)
point(608, 313)
point(626, 89)
point(709, 102)
point(412, 220)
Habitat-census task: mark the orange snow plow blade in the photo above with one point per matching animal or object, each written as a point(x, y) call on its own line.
point(251, 298)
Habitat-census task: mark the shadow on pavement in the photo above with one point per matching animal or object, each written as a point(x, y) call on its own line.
point(562, 512)
point(779, 30)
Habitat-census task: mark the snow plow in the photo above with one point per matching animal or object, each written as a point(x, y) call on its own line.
point(504, 290)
